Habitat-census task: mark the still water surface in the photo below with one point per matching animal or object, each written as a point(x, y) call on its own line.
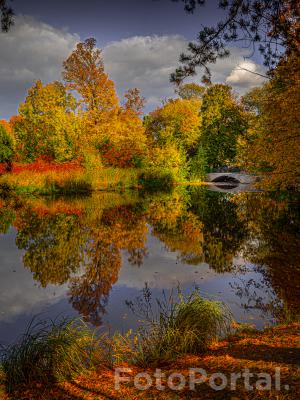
point(87, 256)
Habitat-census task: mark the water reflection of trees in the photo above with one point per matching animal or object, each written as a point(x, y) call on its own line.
point(89, 292)
point(119, 228)
point(223, 232)
point(53, 244)
point(179, 229)
point(82, 247)
point(82, 241)
point(273, 242)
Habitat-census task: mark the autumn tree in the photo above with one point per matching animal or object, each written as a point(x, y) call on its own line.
point(178, 121)
point(134, 101)
point(47, 126)
point(223, 122)
point(272, 144)
point(173, 131)
point(115, 132)
point(190, 91)
point(84, 73)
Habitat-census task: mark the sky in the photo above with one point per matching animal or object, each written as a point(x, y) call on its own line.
point(141, 42)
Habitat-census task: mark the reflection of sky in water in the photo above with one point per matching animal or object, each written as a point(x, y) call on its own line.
point(21, 297)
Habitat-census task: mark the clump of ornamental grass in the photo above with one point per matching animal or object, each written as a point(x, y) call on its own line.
point(50, 352)
point(187, 324)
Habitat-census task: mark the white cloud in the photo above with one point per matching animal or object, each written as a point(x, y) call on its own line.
point(146, 62)
point(34, 50)
point(245, 75)
point(162, 270)
point(31, 50)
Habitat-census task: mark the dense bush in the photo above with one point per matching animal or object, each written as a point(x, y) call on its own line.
point(198, 165)
point(6, 146)
point(156, 180)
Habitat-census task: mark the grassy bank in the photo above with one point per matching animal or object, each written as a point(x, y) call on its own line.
point(70, 182)
point(65, 359)
point(258, 351)
point(77, 180)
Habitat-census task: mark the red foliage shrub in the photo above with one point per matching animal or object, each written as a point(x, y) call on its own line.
point(118, 157)
point(46, 165)
point(2, 168)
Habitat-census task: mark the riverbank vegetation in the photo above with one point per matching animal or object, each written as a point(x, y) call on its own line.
point(64, 349)
point(64, 359)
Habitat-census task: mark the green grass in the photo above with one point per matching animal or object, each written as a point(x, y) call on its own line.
point(47, 353)
point(189, 325)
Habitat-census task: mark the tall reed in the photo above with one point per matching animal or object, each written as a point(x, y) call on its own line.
point(50, 352)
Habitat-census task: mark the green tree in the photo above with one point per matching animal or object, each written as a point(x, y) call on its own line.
point(48, 125)
point(6, 147)
point(198, 164)
point(223, 122)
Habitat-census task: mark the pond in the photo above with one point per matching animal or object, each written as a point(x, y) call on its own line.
point(86, 256)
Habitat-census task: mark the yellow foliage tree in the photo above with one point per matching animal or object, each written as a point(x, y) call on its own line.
point(178, 121)
point(117, 132)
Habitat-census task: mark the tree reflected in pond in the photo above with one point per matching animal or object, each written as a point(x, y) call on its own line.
point(120, 228)
point(223, 232)
point(179, 229)
point(84, 242)
point(273, 243)
point(54, 245)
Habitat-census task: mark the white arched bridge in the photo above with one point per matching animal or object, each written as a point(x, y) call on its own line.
point(231, 178)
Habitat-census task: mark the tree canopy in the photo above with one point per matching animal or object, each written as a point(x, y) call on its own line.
point(272, 143)
point(6, 15)
point(223, 123)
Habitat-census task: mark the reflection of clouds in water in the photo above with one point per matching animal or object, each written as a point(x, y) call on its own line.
point(19, 294)
point(162, 269)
